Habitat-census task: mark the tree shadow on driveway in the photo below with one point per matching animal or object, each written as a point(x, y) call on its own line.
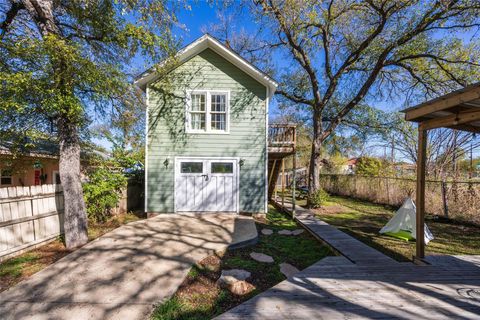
point(122, 274)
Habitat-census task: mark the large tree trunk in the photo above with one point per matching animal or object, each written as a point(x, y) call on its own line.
point(315, 156)
point(75, 217)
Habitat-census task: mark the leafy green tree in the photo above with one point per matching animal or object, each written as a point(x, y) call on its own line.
point(62, 65)
point(369, 166)
point(337, 53)
point(125, 131)
point(334, 163)
point(102, 192)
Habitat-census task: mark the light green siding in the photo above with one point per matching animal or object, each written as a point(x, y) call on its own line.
point(167, 138)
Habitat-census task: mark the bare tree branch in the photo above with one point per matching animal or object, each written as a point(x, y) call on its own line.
point(10, 15)
point(294, 98)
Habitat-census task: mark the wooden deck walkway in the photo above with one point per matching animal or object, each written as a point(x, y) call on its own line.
point(354, 250)
point(353, 287)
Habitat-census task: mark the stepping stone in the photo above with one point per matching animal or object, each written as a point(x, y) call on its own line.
point(260, 257)
point(285, 232)
point(267, 232)
point(234, 281)
point(297, 232)
point(288, 270)
point(230, 277)
point(241, 288)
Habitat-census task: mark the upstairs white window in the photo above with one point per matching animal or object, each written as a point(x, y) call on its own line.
point(207, 112)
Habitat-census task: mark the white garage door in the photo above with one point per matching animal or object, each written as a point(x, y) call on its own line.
point(206, 185)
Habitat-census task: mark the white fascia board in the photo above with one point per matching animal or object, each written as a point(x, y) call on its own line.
point(203, 43)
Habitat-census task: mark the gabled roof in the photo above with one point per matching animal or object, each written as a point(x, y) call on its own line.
point(202, 43)
point(40, 148)
point(352, 161)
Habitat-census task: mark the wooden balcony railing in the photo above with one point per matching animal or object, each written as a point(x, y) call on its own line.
point(281, 138)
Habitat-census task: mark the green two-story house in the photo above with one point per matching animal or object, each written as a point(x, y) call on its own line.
point(206, 132)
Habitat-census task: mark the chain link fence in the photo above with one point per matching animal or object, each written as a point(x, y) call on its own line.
point(453, 199)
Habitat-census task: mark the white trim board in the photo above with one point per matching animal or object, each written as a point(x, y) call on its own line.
point(202, 43)
point(145, 167)
point(267, 101)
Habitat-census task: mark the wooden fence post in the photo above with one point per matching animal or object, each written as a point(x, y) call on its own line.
point(444, 198)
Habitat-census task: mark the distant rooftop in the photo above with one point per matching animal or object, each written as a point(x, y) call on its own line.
point(43, 148)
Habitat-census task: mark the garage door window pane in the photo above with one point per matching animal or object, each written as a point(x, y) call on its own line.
point(222, 167)
point(191, 167)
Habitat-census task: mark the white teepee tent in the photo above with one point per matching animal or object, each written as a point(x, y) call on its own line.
point(403, 223)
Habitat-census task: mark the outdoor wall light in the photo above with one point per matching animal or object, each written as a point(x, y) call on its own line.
point(166, 162)
point(241, 162)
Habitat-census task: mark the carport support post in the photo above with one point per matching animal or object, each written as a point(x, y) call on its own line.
point(420, 199)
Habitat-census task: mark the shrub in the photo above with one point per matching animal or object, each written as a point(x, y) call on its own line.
point(318, 198)
point(369, 166)
point(102, 192)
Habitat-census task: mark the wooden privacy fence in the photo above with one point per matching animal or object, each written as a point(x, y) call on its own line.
point(29, 216)
point(459, 200)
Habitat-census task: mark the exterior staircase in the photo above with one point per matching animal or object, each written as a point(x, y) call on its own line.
point(281, 144)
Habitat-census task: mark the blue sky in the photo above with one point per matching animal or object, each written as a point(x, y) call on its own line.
point(202, 14)
point(193, 22)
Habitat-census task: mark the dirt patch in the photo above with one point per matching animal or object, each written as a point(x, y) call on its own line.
point(19, 268)
point(332, 209)
point(200, 290)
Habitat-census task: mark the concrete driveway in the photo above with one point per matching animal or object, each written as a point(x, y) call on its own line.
point(122, 274)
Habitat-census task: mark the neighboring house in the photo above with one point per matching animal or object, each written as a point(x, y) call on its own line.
point(405, 169)
point(207, 120)
point(347, 167)
point(37, 164)
point(351, 166)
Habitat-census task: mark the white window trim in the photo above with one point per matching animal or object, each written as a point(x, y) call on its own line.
point(208, 129)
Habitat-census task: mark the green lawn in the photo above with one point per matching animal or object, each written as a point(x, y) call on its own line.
point(363, 220)
point(200, 298)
